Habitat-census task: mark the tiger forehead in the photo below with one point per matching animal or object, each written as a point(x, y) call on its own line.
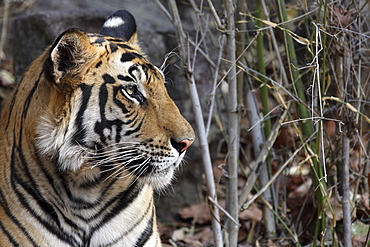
point(127, 54)
point(113, 43)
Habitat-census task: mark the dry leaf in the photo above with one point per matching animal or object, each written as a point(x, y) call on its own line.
point(337, 212)
point(204, 236)
point(358, 240)
point(301, 190)
point(200, 213)
point(251, 213)
point(179, 234)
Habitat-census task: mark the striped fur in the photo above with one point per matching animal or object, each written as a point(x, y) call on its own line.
point(85, 137)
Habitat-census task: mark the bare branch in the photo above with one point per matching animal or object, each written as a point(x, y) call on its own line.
point(184, 53)
point(233, 129)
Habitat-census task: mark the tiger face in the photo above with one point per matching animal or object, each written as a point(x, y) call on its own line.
point(120, 123)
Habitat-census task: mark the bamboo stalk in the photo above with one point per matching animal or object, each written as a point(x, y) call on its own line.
point(346, 204)
point(349, 120)
point(265, 172)
point(4, 30)
point(233, 129)
point(306, 126)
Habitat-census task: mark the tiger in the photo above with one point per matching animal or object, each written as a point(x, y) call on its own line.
point(87, 137)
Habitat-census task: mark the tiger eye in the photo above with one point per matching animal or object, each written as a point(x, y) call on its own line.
point(130, 90)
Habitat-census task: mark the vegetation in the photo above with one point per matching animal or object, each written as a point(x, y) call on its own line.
point(307, 62)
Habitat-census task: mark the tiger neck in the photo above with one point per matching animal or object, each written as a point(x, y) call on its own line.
point(90, 186)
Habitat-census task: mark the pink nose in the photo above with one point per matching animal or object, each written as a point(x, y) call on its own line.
point(186, 143)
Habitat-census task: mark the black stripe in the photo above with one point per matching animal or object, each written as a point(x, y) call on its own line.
point(124, 78)
point(113, 207)
point(118, 102)
point(145, 235)
point(80, 204)
point(148, 228)
point(113, 47)
point(26, 180)
point(132, 69)
point(11, 108)
point(117, 204)
point(15, 219)
point(8, 235)
point(149, 67)
point(31, 189)
point(58, 191)
point(130, 132)
point(30, 186)
point(27, 102)
point(29, 96)
point(124, 46)
point(114, 39)
point(108, 79)
point(79, 135)
point(103, 98)
point(86, 185)
point(128, 56)
point(98, 64)
point(99, 40)
point(108, 124)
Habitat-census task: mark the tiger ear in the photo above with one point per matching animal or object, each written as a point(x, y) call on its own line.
point(121, 25)
point(68, 54)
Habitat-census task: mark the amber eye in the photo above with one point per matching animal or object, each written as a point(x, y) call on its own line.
point(131, 91)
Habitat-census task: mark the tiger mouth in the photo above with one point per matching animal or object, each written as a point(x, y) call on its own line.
point(159, 178)
point(163, 171)
point(143, 168)
point(170, 166)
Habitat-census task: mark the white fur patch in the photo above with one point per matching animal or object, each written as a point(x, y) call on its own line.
point(114, 22)
point(54, 139)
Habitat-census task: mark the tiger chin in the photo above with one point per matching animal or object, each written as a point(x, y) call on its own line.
point(85, 137)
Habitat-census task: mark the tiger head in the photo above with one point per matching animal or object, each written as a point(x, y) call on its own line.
point(108, 112)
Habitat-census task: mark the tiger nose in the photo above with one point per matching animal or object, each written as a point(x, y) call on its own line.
point(182, 145)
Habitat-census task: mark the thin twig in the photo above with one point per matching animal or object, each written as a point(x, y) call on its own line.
point(4, 30)
point(215, 15)
point(276, 46)
point(189, 76)
point(233, 128)
point(346, 204)
point(224, 211)
point(215, 80)
point(277, 173)
point(261, 158)
point(201, 51)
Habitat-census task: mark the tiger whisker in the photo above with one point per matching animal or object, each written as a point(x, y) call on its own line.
point(122, 167)
point(116, 153)
point(108, 160)
point(142, 171)
point(117, 157)
point(142, 165)
point(122, 145)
